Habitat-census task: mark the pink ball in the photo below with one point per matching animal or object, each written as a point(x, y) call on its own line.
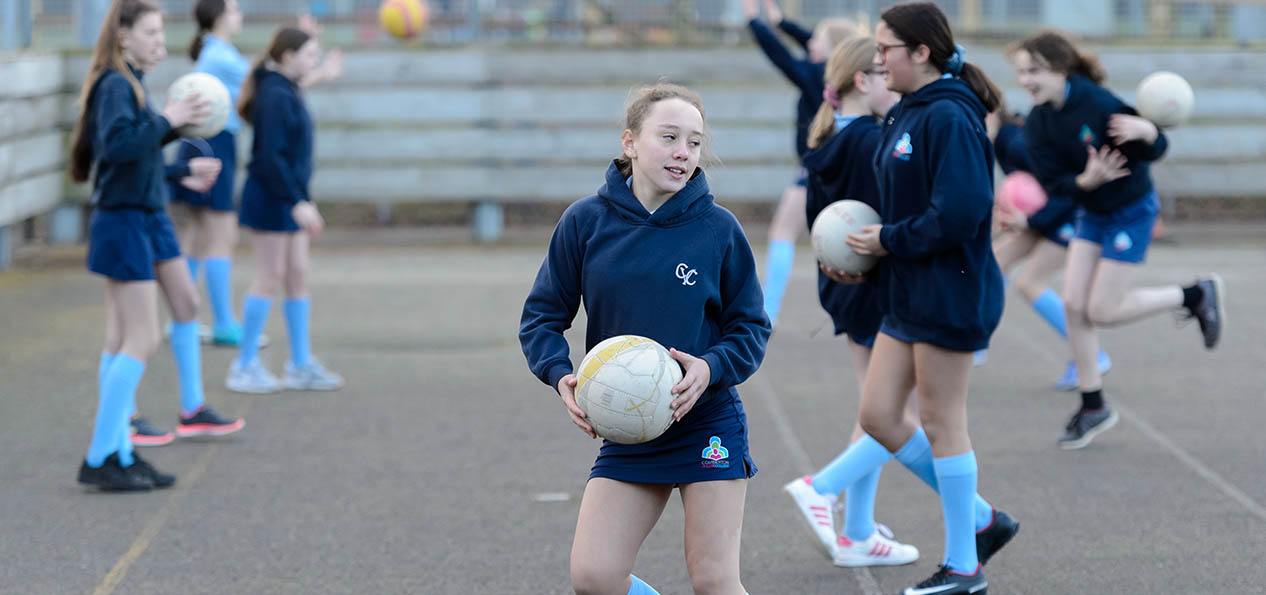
point(1022, 192)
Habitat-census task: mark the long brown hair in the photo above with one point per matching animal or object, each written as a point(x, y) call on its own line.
point(106, 54)
point(642, 100)
point(205, 13)
point(1059, 53)
point(286, 39)
point(850, 57)
point(922, 23)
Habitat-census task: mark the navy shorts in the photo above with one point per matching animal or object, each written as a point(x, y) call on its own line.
point(1062, 232)
point(125, 244)
point(263, 213)
point(802, 179)
point(709, 447)
point(864, 341)
point(1124, 234)
point(220, 198)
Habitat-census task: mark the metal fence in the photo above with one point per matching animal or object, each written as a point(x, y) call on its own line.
point(67, 23)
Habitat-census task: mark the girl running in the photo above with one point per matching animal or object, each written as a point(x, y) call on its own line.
point(806, 74)
point(655, 216)
point(276, 206)
point(1041, 238)
point(842, 142)
point(117, 140)
point(1087, 144)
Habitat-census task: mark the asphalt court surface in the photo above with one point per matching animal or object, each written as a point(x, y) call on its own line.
point(445, 467)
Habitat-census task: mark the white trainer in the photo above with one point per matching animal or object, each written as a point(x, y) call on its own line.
point(816, 510)
point(877, 550)
point(253, 378)
point(311, 376)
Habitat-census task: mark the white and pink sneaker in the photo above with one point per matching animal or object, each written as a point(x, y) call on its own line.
point(877, 550)
point(816, 510)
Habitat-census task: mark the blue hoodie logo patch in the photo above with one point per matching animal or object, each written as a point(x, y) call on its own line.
point(904, 148)
point(1087, 137)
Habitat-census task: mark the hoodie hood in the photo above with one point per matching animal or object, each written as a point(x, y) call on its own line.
point(952, 89)
point(692, 201)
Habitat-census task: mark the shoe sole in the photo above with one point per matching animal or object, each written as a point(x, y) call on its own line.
point(868, 561)
point(153, 441)
point(1218, 290)
point(817, 541)
point(1107, 424)
point(194, 430)
point(251, 391)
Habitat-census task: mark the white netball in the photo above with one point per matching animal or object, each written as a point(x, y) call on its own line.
point(209, 89)
point(1165, 98)
point(624, 387)
point(830, 231)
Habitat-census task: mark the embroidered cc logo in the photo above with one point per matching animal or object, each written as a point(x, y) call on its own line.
point(686, 274)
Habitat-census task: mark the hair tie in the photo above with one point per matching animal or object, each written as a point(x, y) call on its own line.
point(954, 64)
point(832, 96)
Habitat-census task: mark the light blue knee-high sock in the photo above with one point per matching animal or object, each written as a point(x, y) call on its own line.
point(1051, 307)
point(254, 315)
point(193, 268)
point(219, 289)
point(957, 477)
point(782, 254)
point(187, 350)
point(125, 441)
point(298, 311)
point(916, 455)
point(638, 587)
point(859, 511)
point(118, 389)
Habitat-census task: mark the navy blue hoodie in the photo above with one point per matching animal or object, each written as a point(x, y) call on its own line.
point(843, 167)
point(1013, 155)
point(127, 142)
point(683, 276)
point(935, 168)
point(805, 75)
point(281, 152)
point(1057, 141)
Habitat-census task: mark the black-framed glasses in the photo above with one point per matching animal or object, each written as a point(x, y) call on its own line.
point(883, 48)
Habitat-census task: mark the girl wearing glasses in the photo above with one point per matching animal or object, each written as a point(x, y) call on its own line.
point(939, 286)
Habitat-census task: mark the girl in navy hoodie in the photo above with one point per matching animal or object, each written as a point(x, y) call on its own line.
point(653, 255)
point(1041, 238)
point(118, 140)
point(276, 206)
point(1086, 143)
point(940, 287)
point(806, 74)
point(842, 143)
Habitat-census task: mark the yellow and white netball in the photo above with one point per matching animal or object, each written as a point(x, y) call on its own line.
point(830, 232)
point(403, 18)
point(624, 387)
point(1165, 98)
point(209, 89)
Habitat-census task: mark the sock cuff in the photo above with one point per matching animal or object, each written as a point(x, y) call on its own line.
point(782, 247)
point(216, 260)
point(298, 301)
point(257, 299)
point(957, 465)
point(914, 448)
point(129, 363)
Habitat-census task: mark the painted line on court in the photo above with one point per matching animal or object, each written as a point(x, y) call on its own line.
point(865, 579)
point(1188, 459)
point(150, 531)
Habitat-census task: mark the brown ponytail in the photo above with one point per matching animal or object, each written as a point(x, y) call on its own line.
point(205, 13)
point(106, 54)
point(923, 23)
point(286, 39)
point(851, 56)
point(1059, 53)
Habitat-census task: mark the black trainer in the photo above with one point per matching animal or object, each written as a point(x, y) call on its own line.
point(1210, 312)
point(1085, 425)
point(997, 534)
point(206, 422)
point(156, 477)
point(112, 476)
point(948, 582)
